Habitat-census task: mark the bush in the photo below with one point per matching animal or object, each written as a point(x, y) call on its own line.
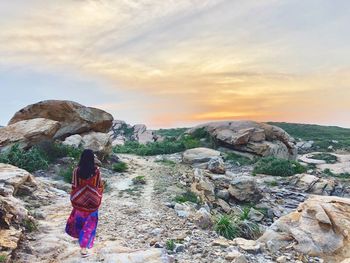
point(139, 180)
point(55, 150)
point(30, 160)
point(187, 197)
point(67, 174)
point(170, 245)
point(231, 227)
point(3, 258)
point(120, 167)
point(278, 167)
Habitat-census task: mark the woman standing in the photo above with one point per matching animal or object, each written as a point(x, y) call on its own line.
point(86, 198)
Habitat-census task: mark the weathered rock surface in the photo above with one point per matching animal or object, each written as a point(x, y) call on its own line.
point(248, 136)
point(199, 155)
point(319, 227)
point(73, 117)
point(28, 132)
point(244, 188)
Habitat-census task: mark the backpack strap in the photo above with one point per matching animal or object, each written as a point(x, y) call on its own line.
point(75, 178)
point(98, 177)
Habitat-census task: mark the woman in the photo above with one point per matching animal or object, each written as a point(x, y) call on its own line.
point(86, 198)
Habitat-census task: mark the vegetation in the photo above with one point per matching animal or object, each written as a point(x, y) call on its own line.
point(166, 162)
point(239, 159)
point(30, 225)
point(328, 158)
point(139, 180)
point(278, 167)
point(328, 172)
point(3, 258)
point(271, 183)
point(171, 132)
point(323, 136)
point(38, 157)
point(120, 167)
point(187, 197)
point(30, 160)
point(170, 245)
point(67, 174)
point(231, 227)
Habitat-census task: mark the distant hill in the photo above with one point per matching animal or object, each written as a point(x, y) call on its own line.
point(323, 136)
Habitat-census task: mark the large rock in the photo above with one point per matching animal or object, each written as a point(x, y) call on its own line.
point(73, 117)
point(203, 187)
point(199, 155)
point(253, 137)
point(244, 188)
point(319, 227)
point(28, 132)
point(315, 185)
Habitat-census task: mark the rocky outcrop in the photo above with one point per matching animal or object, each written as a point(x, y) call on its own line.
point(244, 188)
point(253, 137)
point(199, 155)
point(73, 117)
point(28, 132)
point(319, 227)
point(122, 132)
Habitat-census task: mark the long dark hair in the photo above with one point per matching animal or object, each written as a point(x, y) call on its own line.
point(86, 164)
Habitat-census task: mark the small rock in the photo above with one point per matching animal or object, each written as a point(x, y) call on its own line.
point(255, 215)
point(281, 259)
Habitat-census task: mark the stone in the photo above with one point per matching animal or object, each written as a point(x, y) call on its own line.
point(199, 155)
point(255, 215)
point(9, 238)
point(185, 210)
point(73, 117)
point(282, 259)
point(315, 185)
point(73, 140)
point(27, 132)
point(202, 187)
point(247, 245)
point(235, 256)
point(244, 188)
point(224, 205)
point(216, 165)
point(202, 218)
point(252, 137)
point(319, 227)
point(99, 142)
point(222, 242)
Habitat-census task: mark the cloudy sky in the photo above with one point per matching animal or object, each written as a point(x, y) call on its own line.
point(179, 62)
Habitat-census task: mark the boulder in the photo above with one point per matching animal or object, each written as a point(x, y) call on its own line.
point(319, 227)
point(202, 219)
point(203, 187)
point(28, 132)
point(199, 155)
point(244, 188)
point(255, 215)
point(216, 165)
point(73, 117)
point(315, 185)
point(252, 137)
point(73, 140)
point(99, 142)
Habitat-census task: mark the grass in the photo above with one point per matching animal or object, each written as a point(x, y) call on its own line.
point(328, 158)
point(3, 258)
point(38, 157)
point(231, 227)
point(321, 135)
point(120, 167)
point(67, 174)
point(170, 245)
point(328, 172)
point(139, 180)
point(30, 225)
point(278, 167)
point(239, 159)
point(271, 183)
point(187, 197)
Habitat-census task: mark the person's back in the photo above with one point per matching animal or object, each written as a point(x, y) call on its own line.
point(86, 198)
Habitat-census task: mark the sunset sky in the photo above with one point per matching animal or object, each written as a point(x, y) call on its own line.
point(174, 63)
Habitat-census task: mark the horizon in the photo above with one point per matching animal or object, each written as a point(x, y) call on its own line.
point(170, 65)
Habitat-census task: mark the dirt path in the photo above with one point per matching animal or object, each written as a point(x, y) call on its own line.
point(130, 218)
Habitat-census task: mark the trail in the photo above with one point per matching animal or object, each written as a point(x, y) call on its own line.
point(130, 217)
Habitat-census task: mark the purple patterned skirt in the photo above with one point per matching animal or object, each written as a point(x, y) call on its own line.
point(82, 225)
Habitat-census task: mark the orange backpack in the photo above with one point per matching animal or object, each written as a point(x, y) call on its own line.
point(86, 194)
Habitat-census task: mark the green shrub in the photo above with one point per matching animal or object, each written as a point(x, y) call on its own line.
point(176, 132)
point(231, 227)
point(245, 213)
point(3, 258)
point(226, 227)
point(239, 159)
point(328, 158)
point(67, 174)
point(55, 150)
point(30, 225)
point(139, 180)
point(187, 197)
point(120, 167)
point(30, 160)
point(328, 172)
point(170, 245)
point(278, 167)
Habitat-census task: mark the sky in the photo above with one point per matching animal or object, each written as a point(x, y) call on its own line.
point(176, 63)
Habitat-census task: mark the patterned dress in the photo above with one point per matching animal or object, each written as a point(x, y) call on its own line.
point(81, 224)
